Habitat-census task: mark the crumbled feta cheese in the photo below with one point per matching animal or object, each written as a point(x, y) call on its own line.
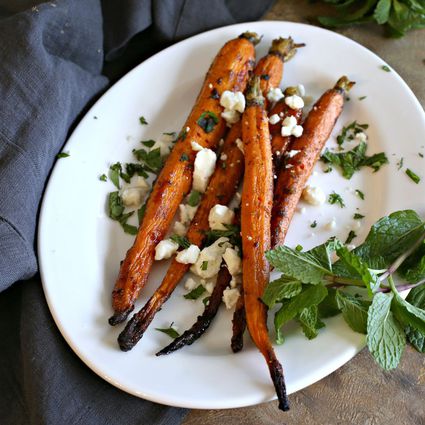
point(165, 249)
point(274, 119)
point(233, 101)
point(196, 146)
point(208, 285)
point(203, 168)
point(361, 137)
point(331, 225)
point(230, 117)
point(239, 144)
point(188, 255)
point(190, 284)
point(301, 90)
point(219, 216)
point(223, 157)
point(350, 247)
point(297, 131)
point(294, 102)
point(292, 153)
point(314, 195)
point(230, 297)
point(274, 95)
point(132, 197)
point(285, 131)
point(301, 210)
point(179, 228)
point(139, 182)
point(167, 137)
point(187, 213)
point(164, 143)
point(233, 261)
point(236, 281)
point(209, 260)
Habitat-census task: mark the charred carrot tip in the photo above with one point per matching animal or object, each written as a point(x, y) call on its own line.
point(285, 48)
point(253, 92)
point(253, 37)
point(278, 379)
point(344, 84)
point(118, 318)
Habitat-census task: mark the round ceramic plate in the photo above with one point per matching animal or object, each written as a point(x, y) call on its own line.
point(80, 248)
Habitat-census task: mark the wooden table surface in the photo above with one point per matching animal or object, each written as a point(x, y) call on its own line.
point(359, 393)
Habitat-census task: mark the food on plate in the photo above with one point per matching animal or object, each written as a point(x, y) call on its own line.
point(238, 324)
point(256, 207)
point(293, 176)
point(220, 191)
point(229, 71)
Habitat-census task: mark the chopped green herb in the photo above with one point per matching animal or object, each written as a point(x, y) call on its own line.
point(115, 206)
point(359, 193)
point(207, 121)
point(358, 216)
point(265, 77)
point(114, 174)
point(133, 168)
point(421, 154)
point(103, 178)
point(413, 176)
point(400, 163)
point(194, 198)
point(182, 241)
point(183, 134)
point(171, 133)
point(148, 143)
point(171, 332)
point(385, 68)
point(143, 121)
point(214, 94)
point(351, 161)
point(299, 248)
point(334, 198)
point(232, 232)
point(206, 300)
point(128, 228)
point(152, 159)
point(141, 213)
point(349, 132)
point(184, 157)
point(194, 294)
point(328, 169)
point(362, 97)
point(351, 236)
point(314, 224)
point(204, 265)
point(62, 155)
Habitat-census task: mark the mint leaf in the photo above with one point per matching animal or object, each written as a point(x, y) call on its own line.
point(182, 241)
point(310, 322)
point(354, 310)
point(385, 336)
point(194, 198)
point(311, 295)
point(148, 143)
point(114, 174)
point(141, 213)
point(357, 267)
point(413, 268)
point(382, 11)
point(329, 306)
point(194, 294)
point(416, 297)
point(152, 160)
point(171, 332)
point(115, 206)
point(335, 198)
point(408, 314)
point(132, 168)
point(279, 289)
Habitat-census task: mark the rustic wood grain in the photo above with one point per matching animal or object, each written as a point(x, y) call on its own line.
point(359, 393)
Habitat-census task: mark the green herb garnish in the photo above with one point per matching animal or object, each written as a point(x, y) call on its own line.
point(314, 224)
point(334, 198)
point(358, 216)
point(114, 174)
point(62, 155)
point(194, 198)
point(184, 157)
point(182, 241)
point(232, 232)
point(148, 143)
point(351, 235)
point(152, 160)
point(204, 265)
point(349, 132)
point(400, 163)
point(207, 121)
point(362, 97)
point(360, 194)
point(116, 212)
point(194, 294)
point(171, 332)
point(413, 176)
point(385, 68)
point(103, 178)
point(143, 121)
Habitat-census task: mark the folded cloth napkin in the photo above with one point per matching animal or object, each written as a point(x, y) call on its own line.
point(52, 67)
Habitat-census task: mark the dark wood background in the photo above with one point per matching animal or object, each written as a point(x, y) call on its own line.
point(359, 393)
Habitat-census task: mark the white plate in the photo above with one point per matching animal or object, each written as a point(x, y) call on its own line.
point(80, 248)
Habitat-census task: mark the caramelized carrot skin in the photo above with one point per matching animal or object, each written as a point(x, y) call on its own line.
point(291, 181)
point(229, 71)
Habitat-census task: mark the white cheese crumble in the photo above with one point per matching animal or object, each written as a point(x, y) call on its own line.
point(164, 143)
point(233, 261)
point(188, 255)
point(203, 168)
point(219, 216)
point(231, 117)
point(301, 90)
point(208, 285)
point(179, 228)
point(274, 95)
point(290, 127)
point(239, 144)
point(331, 225)
point(292, 153)
point(132, 197)
point(361, 137)
point(274, 119)
point(230, 297)
point(209, 260)
point(294, 102)
point(165, 249)
point(223, 157)
point(187, 213)
point(350, 247)
point(236, 281)
point(314, 195)
point(196, 146)
point(190, 284)
point(233, 101)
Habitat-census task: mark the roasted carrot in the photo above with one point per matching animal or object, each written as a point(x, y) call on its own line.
point(203, 322)
point(238, 325)
point(229, 71)
point(221, 189)
point(292, 178)
point(256, 206)
point(279, 142)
